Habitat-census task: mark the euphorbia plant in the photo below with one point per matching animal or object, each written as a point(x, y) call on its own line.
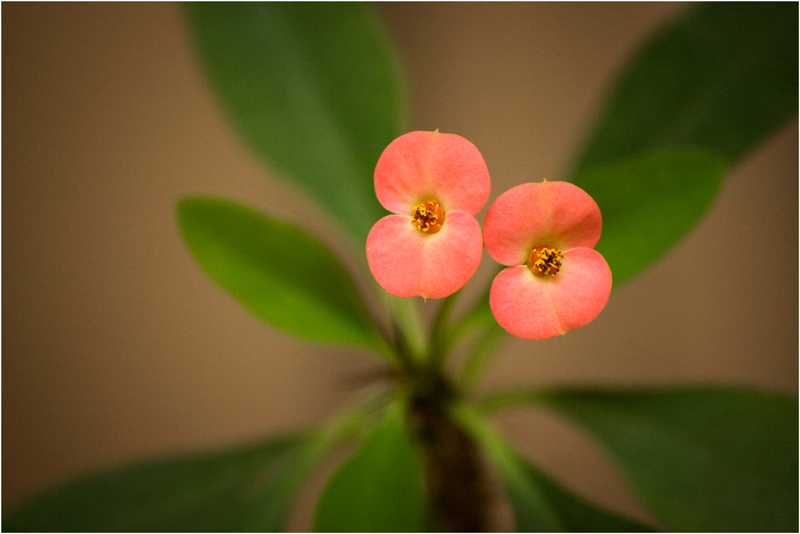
point(315, 91)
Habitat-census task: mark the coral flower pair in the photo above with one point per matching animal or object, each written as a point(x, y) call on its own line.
point(434, 184)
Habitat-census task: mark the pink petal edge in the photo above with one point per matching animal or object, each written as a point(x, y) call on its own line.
point(422, 166)
point(532, 307)
point(408, 263)
point(546, 213)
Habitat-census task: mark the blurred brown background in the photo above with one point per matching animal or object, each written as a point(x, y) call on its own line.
point(116, 346)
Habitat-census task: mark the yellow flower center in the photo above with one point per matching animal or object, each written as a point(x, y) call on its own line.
point(428, 217)
point(545, 260)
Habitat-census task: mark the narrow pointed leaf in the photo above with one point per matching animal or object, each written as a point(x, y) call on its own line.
point(313, 88)
point(724, 76)
point(539, 503)
point(649, 203)
point(277, 271)
point(250, 489)
point(379, 488)
point(702, 459)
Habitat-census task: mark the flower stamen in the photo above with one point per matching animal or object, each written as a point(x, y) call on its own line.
point(428, 217)
point(545, 260)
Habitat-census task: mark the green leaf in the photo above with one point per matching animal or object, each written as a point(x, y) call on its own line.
point(277, 271)
point(249, 489)
point(724, 77)
point(530, 490)
point(540, 504)
point(649, 203)
point(702, 459)
point(315, 90)
point(379, 489)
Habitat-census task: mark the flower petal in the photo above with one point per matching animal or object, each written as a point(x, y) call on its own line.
point(547, 213)
point(407, 262)
point(522, 304)
point(421, 166)
point(533, 307)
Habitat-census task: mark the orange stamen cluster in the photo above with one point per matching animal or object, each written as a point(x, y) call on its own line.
point(428, 217)
point(545, 260)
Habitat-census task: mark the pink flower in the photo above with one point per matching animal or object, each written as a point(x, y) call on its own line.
point(555, 281)
point(434, 184)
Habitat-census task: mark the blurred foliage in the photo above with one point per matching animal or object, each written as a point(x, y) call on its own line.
point(379, 488)
point(650, 203)
point(277, 271)
point(723, 77)
point(247, 489)
point(314, 89)
point(701, 459)
point(539, 503)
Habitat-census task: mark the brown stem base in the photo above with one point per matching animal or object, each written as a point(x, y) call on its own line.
point(452, 464)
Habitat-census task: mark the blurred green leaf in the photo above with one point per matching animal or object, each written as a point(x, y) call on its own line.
point(315, 90)
point(277, 271)
point(701, 459)
point(724, 76)
point(649, 203)
point(540, 504)
point(379, 489)
point(537, 500)
point(249, 489)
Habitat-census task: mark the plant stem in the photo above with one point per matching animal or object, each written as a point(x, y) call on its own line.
point(453, 470)
point(406, 315)
point(439, 340)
